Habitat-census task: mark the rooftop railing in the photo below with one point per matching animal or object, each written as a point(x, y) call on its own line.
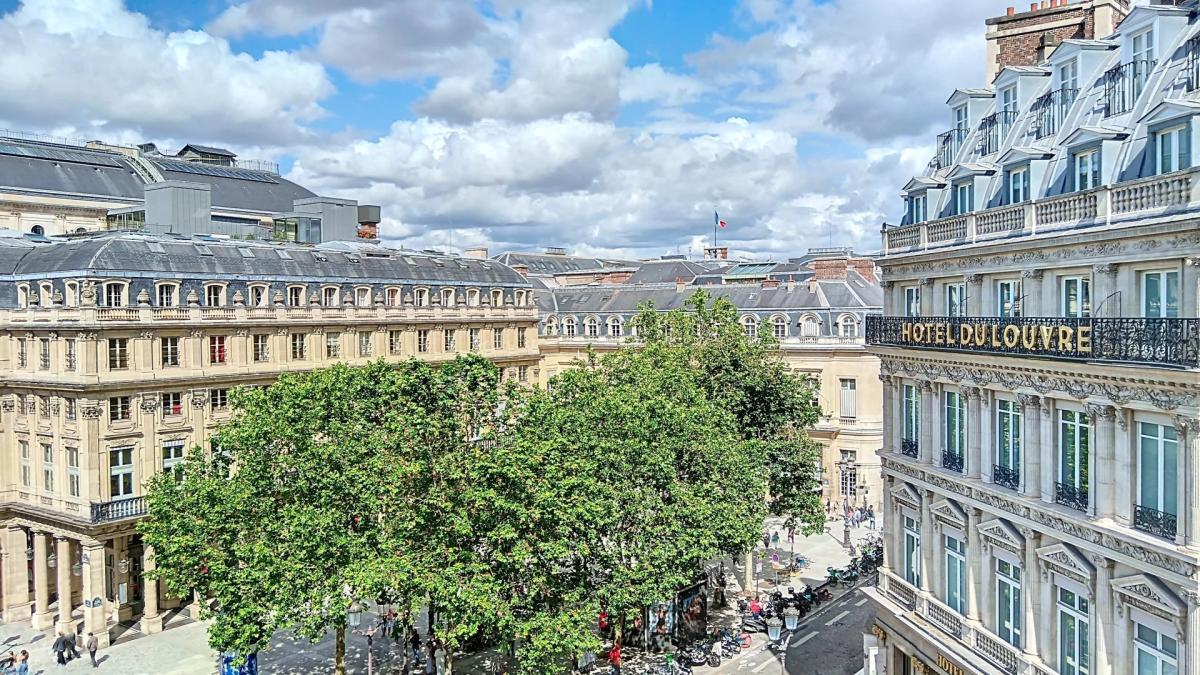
point(993, 130)
point(1168, 192)
point(145, 314)
point(1050, 110)
point(1159, 342)
point(118, 509)
point(948, 144)
point(1123, 85)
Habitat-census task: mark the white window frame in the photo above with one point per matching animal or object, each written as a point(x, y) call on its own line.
point(955, 550)
point(1167, 280)
point(964, 197)
point(1086, 168)
point(750, 326)
point(1077, 428)
point(1160, 651)
point(848, 388)
point(912, 301)
point(956, 299)
point(1010, 578)
point(120, 476)
point(73, 484)
point(26, 463)
point(1008, 455)
point(173, 452)
point(912, 550)
point(1083, 296)
point(1172, 149)
point(1158, 440)
point(47, 467)
point(1080, 614)
point(214, 295)
point(954, 431)
point(911, 413)
point(1010, 288)
point(166, 294)
point(1017, 181)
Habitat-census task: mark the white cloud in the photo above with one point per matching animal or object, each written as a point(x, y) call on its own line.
point(651, 83)
point(96, 68)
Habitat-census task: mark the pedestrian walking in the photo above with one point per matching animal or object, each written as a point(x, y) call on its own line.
point(766, 539)
point(72, 646)
point(414, 643)
point(775, 539)
point(431, 657)
point(59, 648)
point(614, 658)
point(91, 645)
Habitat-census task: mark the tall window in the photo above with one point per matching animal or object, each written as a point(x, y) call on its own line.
point(44, 353)
point(960, 118)
point(1076, 297)
point(1068, 75)
point(26, 464)
point(917, 205)
point(1008, 602)
point(849, 389)
point(1156, 653)
point(848, 326)
point(118, 353)
point(172, 458)
point(258, 296)
point(72, 353)
point(912, 551)
point(218, 399)
point(497, 338)
point(1073, 444)
point(329, 296)
point(1008, 298)
point(1173, 149)
point(614, 326)
point(362, 297)
point(168, 348)
point(216, 349)
point(1158, 471)
point(298, 345)
point(1073, 650)
point(120, 472)
point(73, 472)
point(1008, 99)
point(422, 341)
point(964, 198)
point(47, 467)
point(521, 336)
point(118, 408)
point(912, 414)
point(23, 352)
point(956, 425)
point(261, 347)
point(448, 340)
point(779, 327)
point(333, 345)
point(366, 348)
point(447, 297)
point(1008, 436)
point(1018, 185)
point(750, 326)
point(214, 296)
point(1143, 60)
point(295, 296)
point(392, 297)
point(395, 341)
point(849, 477)
point(591, 327)
point(568, 325)
point(956, 300)
point(421, 297)
point(1087, 169)
point(956, 574)
point(912, 301)
point(1160, 295)
point(112, 295)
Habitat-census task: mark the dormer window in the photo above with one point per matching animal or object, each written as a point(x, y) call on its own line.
point(329, 296)
point(167, 295)
point(113, 294)
point(421, 297)
point(1017, 181)
point(1173, 148)
point(1087, 169)
point(1008, 100)
point(362, 297)
point(447, 297)
point(214, 295)
point(960, 118)
point(964, 198)
point(1068, 76)
point(917, 208)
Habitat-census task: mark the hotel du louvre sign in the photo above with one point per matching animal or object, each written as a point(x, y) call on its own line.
point(1166, 341)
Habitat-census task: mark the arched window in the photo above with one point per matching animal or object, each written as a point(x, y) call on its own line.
point(614, 326)
point(166, 294)
point(569, 327)
point(22, 296)
point(810, 326)
point(393, 297)
point(519, 298)
point(421, 297)
point(779, 327)
point(551, 326)
point(295, 297)
point(260, 295)
point(37, 229)
point(362, 296)
point(47, 296)
point(447, 297)
point(329, 296)
point(848, 326)
point(71, 297)
point(473, 297)
point(750, 326)
point(591, 327)
point(214, 295)
point(497, 297)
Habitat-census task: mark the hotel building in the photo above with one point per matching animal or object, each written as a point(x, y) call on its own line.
point(1040, 354)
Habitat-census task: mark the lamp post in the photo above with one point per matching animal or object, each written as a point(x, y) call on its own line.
point(844, 465)
point(354, 620)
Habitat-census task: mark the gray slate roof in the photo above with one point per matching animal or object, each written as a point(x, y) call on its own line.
point(667, 271)
point(206, 149)
point(266, 193)
point(128, 255)
point(43, 167)
point(540, 263)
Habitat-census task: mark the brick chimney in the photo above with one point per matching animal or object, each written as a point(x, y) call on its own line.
point(478, 253)
point(1027, 38)
point(769, 284)
point(523, 270)
point(833, 269)
point(679, 284)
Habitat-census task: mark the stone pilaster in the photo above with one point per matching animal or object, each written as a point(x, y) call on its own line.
point(43, 618)
point(63, 568)
point(1030, 447)
point(95, 614)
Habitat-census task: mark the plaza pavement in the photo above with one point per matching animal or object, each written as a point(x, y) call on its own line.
point(183, 650)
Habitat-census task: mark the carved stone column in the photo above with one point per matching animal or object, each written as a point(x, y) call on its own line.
point(1191, 649)
point(1188, 485)
point(928, 545)
point(1031, 289)
point(1029, 622)
point(937, 429)
point(16, 576)
point(95, 615)
point(43, 619)
point(63, 568)
point(1102, 462)
point(974, 304)
point(927, 428)
point(889, 404)
point(897, 415)
point(1102, 663)
point(987, 435)
point(974, 454)
point(1123, 482)
point(975, 575)
point(1031, 479)
point(1047, 450)
point(152, 621)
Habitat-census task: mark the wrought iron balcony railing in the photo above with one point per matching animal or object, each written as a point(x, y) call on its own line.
point(1050, 110)
point(1005, 476)
point(952, 461)
point(1123, 85)
point(909, 447)
point(1193, 64)
point(118, 509)
point(1070, 495)
point(948, 144)
point(1153, 521)
point(993, 129)
point(1160, 342)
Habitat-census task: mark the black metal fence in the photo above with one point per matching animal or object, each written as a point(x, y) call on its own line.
point(1070, 495)
point(1123, 85)
point(1158, 523)
point(993, 129)
point(909, 447)
point(118, 509)
point(948, 144)
point(1006, 477)
point(1050, 110)
point(952, 461)
point(1161, 342)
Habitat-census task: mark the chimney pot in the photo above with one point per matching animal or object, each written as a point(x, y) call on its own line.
point(1045, 4)
point(1012, 10)
point(1033, 7)
point(679, 284)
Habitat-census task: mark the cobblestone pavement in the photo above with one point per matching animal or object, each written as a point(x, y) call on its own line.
point(183, 650)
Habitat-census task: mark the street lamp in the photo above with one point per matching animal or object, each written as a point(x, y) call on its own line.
point(354, 620)
point(844, 465)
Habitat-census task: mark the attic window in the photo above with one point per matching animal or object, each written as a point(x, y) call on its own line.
point(352, 259)
point(320, 258)
point(378, 255)
point(246, 253)
point(202, 249)
point(283, 253)
point(155, 247)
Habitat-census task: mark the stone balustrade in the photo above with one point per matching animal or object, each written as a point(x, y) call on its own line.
point(144, 314)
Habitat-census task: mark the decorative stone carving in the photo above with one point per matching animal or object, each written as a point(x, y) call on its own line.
point(1107, 269)
point(88, 335)
point(239, 298)
point(146, 335)
point(1186, 425)
point(1148, 593)
point(949, 512)
point(90, 412)
point(7, 405)
point(278, 298)
point(148, 404)
point(87, 293)
point(1032, 274)
point(143, 298)
point(1028, 400)
point(199, 399)
point(197, 333)
point(1098, 411)
point(241, 332)
point(974, 278)
point(1066, 559)
point(1000, 533)
point(192, 299)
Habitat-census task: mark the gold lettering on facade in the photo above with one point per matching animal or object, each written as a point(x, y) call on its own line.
point(1064, 338)
point(946, 665)
point(1084, 335)
point(1012, 336)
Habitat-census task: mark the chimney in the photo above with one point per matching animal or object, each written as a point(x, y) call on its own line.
point(812, 284)
point(679, 284)
point(716, 253)
point(478, 253)
point(523, 270)
point(1028, 38)
point(368, 221)
point(791, 283)
point(831, 269)
point(769, 284)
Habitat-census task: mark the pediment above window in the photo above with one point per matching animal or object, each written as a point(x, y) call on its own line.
point(1066, 559)
point(1170, 110)
point(961, 96)
point(920, 183)
point(1000, 533)
point(1148, 593)
point(906, 494)
point(947, 511)
point(970, 170)
point(1091, 135)
point(1009, 75)
point(1021, 155)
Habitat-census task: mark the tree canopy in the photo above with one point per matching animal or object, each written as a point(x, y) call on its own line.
point(517, 513)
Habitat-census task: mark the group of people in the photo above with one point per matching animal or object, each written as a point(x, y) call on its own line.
point(16, 664)
point(431, 652)
point(66, 648)
point(856, 516)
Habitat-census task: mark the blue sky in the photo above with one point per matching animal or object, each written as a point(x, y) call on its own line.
point(605, 126)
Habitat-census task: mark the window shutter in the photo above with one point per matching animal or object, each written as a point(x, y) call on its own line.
point(1185, 148)
point(849, 400)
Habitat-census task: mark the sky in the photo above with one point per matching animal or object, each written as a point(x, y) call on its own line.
point(608, 127)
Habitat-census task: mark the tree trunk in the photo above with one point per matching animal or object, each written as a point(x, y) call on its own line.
point(339, 651)
point(748, 587)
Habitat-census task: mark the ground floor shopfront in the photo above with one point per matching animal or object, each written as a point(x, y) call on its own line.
point(62, 578)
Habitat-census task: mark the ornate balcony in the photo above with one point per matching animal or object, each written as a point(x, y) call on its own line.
point(1155, 522)
point(1073, 496)
point(1123, 85)
point(1006, 477)
point(993, 130)
point(1050, 110)
point(909, 448)
point(952, 461)
point(1193, 64)
point(1157, 342)
point(948, 144)
point(118, 509)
